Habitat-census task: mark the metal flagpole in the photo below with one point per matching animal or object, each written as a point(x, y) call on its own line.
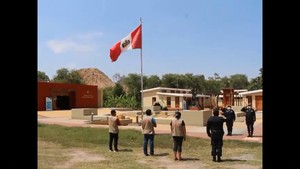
point(142, 94)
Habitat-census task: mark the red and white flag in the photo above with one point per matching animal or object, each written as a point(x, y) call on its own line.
point(131, 41)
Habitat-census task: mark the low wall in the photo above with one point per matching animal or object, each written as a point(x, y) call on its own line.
point(192, 117)
point(82, 113)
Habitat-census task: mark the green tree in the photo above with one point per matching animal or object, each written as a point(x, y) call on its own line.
point(170, 80)
point(153, 81)
point(212, 86)
point(118, 90)
point(64, 75)
point(133, 83)
point(239, 81)
point(256, 83)
point(41, 76)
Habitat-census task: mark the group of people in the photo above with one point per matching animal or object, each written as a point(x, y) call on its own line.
point(214, 127)
point(214, 130)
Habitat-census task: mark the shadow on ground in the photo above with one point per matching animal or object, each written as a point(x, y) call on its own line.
point(233, 160)
point(190, 159)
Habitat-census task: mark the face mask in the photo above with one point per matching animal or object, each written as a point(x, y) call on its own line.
point(229, 108)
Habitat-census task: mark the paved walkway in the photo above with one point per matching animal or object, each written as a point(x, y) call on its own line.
point(239, 128)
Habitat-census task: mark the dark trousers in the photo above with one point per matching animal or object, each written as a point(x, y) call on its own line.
point(150, 138)
point(177, 143)
point(216, 144)
point(113, 137)
point(250, 127)
point(229, 125)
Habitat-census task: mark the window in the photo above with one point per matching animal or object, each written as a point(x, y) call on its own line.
point(153, 100)
point(177, 102)
point(168, 102)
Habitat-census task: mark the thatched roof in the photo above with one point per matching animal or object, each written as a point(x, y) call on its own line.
point(93, 76)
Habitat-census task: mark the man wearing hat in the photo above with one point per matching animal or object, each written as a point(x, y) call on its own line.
point(230, 118)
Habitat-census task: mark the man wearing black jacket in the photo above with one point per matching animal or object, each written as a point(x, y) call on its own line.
point(230, 118)
point(250, 119)
point(214, 130)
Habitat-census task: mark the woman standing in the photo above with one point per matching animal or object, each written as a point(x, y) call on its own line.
point(178, 132)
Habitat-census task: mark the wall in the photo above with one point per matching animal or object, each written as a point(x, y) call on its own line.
point(85, 96)
point(147, 100)
point(191, 117)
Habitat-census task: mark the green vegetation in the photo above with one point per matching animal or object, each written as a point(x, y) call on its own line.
point(84, 147)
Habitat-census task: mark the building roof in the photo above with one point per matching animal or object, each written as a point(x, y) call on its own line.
point(252, 92)
point(165, 88)
point(237, 90)
point(180, 94)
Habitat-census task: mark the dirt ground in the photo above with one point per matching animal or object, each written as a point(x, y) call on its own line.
point(161, 160)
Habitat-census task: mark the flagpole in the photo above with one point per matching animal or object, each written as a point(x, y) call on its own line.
point(142, 89)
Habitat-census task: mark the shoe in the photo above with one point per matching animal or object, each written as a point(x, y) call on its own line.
point(110, 150)
point(248, 135)
point(214, 159)
point(179, 159)
point(116, 150)
point(151, 154)
point(227, 134)
point(175, 159)
point(146, 154)
point(219, 159)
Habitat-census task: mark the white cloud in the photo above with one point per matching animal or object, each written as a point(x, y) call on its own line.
point(90, 36)
point(60, 46)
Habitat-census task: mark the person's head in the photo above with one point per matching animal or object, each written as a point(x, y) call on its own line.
point(249, 106)
point(177, 115)
point(113, 112)
point(216, 111)
point(229, 107)
point(148, 112)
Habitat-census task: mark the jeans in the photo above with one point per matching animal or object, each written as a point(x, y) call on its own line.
point(150, 138)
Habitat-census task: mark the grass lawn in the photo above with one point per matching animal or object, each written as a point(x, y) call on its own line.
point(87, 148)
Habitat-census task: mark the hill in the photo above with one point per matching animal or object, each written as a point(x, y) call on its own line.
point(93, 76)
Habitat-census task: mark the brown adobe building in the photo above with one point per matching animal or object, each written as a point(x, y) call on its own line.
point(65, 96)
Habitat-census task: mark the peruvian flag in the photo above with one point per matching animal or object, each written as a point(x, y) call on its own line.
point(131, 41)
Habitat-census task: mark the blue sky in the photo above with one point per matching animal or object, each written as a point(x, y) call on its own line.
point(202, 37)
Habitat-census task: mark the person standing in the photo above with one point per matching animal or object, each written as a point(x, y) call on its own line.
point(230, 118)
point(178, 132)
point(184, 104)
point(250, 119)
point(148, 124)
point(214, 130)
point(113, 122)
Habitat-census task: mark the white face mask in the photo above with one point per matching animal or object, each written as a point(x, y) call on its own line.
point(229, 108)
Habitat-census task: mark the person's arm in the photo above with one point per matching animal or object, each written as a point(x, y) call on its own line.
point(208, 128)
point(154, 122)
point(254, 115)
point(143, 124)
point(118, 122)
point(184, 130)
point(233, 115)
point(171, 128)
